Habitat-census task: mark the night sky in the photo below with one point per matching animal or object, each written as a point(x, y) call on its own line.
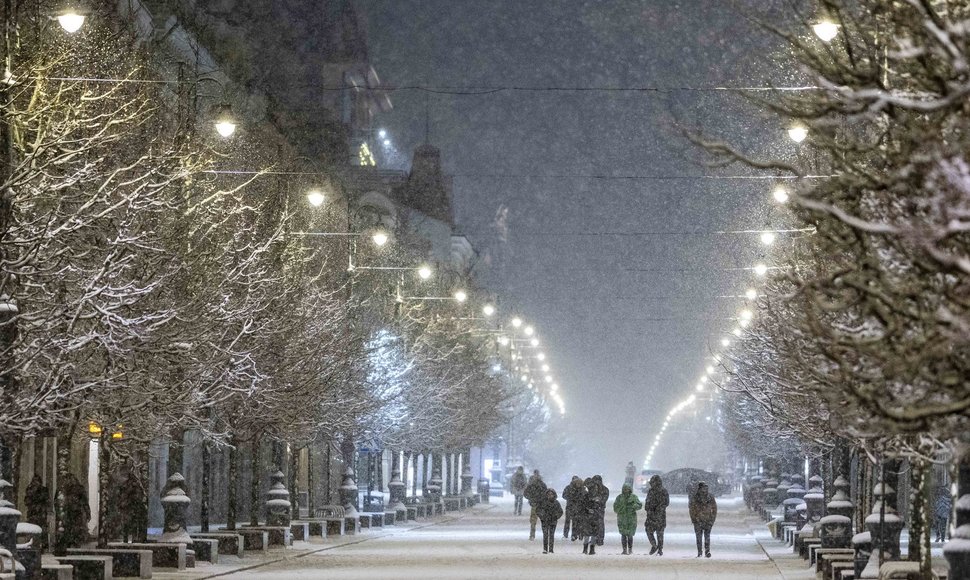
point(620, 276)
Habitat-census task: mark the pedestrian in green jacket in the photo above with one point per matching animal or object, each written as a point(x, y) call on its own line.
point(626, 505)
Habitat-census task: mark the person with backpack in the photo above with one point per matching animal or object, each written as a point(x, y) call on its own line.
point(535, 492)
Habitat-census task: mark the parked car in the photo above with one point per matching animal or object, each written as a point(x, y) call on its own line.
point(642, 481)
point(684, 481)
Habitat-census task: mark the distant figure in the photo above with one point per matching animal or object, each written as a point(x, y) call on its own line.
point(549, 512)
point(588, 517)
point(631, 474)
point(535, 492)
point(599, 495)
point(38, 501)
point(517, 487)
point(942, 509)
point(571, 493)
point(703, 513)
point(656, 507)
point(626, 505)
point(74, 515)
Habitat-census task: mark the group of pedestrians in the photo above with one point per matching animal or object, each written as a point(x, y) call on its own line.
point(585, 512)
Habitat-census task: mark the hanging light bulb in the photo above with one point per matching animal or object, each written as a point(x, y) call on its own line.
point(225, 122)
point(315, 197)
point(768, 238)
point(780, 194)
point(798, 132)
point(825, 29)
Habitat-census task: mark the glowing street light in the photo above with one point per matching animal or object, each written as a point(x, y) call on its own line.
point(504, 341)
point(825, 29)
point(725, 342)
point(488, 310)
point(71, 20)
point(760, 269)
point(380, 238)
point(780, 194)
point(710, 370)
point(425, 272)
point(541, 356)
point(737, 332)
point(751, 294)
point(529, 331)
point(768, 238)
point(316, 197)
point(545, 368)
point(516, 322)
point(225, 122)
point(549, 379)
point(534, 342)
point(746, 314)
point(382, 134)
point(461, 295)
point(798, 132)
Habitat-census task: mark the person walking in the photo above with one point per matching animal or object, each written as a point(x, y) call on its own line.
point(942, 509)
point(586, 518)
point(703, 513)
point(656, 521)
point(517, 487)
point(626, 505)
point(570, 493)
point(549, 512)
point(599, 495)
point(535, 492)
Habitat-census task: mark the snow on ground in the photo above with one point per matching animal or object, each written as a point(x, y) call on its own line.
point(492, 544)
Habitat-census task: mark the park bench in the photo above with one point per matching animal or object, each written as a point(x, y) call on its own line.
point(277, 535)
point(300, 531)
point(825, 557)
point(89, 567)
point(836, 568)
point(254, 540)
point(55, 571)
point(229, 543)
point(337, 520)
point(172, 555)
point(136, 563)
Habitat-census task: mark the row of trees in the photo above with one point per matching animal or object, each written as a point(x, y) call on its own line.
point(148, 287)
point(863, 331)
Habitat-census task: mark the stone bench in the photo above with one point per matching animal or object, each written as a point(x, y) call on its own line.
point(172, 555)
point(818, 552)
point(300, 531)
point(324, 527)
point(229, 543)
point(804, 550)
point(206, 549)
point(837, 568)
point(57, 572)
point(89, 567)
point(452, 504)
point(254, 540)
point(136, 563)
point(824, 560)
point(371, 520)
point(277, 535)
point(390, 518)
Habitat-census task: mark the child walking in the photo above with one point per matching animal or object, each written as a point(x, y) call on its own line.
point(549, 512)
point(626, 505)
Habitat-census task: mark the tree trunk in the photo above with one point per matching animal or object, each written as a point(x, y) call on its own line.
point(920, 517)
point(104, 469)
point(294, 483)
point(176, 450)
point(205, 492)
point(232, 505)
point(310, 482)
point(254, 483)
point(63, 469)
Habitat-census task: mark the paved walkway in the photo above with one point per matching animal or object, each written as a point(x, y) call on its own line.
point(487, 542)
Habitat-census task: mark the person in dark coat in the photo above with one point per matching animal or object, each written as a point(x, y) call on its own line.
point(942, 509)
point(703, 513)
point(587, 517)
point(549, 512)
point(656, 507)
point(38, 501)
point(535, 492)
point(570, 493)
point(72, 525)
point(599, 496)
point(517, 487)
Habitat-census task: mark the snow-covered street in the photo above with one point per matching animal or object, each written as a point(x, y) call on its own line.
point(492, 544)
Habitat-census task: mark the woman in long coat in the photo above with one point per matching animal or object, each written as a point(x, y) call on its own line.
point(656, 507)
point(626, 505)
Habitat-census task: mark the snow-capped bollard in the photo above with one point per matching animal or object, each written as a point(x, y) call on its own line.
point(174, 503)
point(884, 523)
point(396, 487)
point(957, 550)
point(348, 493)
point(9, 517)
point(815, 500)
point(278, 502)
point(770, 495)
point(434, 484)
point(466, 483)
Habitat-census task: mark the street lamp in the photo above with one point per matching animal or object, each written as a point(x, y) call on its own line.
point(751, 294)
point(516, 322)
point(315, 197)
point(534, 342)
point(71, 20)
point(504, 341)
point(380, 238)
point(725, 342)
point(488, 310)
point(529, 331)
point(760, 269)
point(424, 272)
point(460, 295)
point(768, 238)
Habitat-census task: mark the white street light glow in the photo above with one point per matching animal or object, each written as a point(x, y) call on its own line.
point(504, 341)
point(541, 356)
point(798, 133)
point(529, 331)
point(316, 197)
point(71, 21)
point(780, 194)
point(825, 30)
point(534, 342)
point(516, 322)
point(488, 310)
point(746, 314)
point(751, 294)
point(380, 238)
point(461, 295)
point(768, 238)
point(760, 269)
point(425, 272)
point(545, 368)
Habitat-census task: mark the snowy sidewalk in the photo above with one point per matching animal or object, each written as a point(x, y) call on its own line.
point(492, 544)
